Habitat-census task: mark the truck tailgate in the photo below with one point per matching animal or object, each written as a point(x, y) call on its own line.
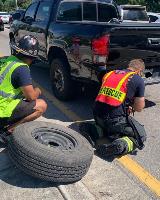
point(129, 41)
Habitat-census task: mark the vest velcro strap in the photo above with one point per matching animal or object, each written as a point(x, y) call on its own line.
point(112, 92)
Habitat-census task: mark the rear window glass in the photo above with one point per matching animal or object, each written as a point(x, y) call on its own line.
point(135, 15)
point(89, 11)
point(70, 11)
point(106, 13)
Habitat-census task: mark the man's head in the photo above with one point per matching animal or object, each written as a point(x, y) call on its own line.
point(137, 65)
point(26, 48)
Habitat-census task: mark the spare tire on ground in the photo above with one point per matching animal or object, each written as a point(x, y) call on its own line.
point(50, 152)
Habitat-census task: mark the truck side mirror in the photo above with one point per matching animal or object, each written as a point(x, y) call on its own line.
point(114, 20)
point(16, 16)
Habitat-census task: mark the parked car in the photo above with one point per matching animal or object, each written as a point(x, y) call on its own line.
point(5, 17)
point(133, 13)
point(1, 25)
point(154, 17)
point(81, 40)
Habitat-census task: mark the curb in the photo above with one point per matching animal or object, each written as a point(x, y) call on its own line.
point(75, 191)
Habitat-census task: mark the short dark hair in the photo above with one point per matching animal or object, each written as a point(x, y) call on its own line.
point(136, 64)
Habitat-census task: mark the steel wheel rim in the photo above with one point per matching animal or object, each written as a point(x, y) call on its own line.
point(58, 80)
point(54, 138)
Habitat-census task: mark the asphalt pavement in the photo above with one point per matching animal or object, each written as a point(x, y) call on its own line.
point(130, 177)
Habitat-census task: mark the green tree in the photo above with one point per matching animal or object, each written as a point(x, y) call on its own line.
point(1, 5)
point(9, 5)
point(24, 3)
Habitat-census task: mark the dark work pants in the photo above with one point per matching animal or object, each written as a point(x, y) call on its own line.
point(119, 127)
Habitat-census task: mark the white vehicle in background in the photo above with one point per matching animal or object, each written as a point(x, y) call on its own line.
point(154, 17)
point(133, 13)
point(5, 17)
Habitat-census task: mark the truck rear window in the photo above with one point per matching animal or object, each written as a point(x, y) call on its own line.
point(92, 11)
point(135, 15)
point(106, 12)
point(70, 11)
point(89, 11)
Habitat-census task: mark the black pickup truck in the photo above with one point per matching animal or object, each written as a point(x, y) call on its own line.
point(81, 39)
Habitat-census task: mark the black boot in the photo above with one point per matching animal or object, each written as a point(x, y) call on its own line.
point(116, 148)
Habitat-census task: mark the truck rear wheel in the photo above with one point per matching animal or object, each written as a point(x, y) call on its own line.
point(63, 87)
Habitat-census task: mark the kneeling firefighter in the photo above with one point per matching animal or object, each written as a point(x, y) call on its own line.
point(19, 100)
point(121, 92)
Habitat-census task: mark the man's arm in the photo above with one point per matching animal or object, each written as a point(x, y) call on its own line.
point(30, 93)
point(139, 100)
point(21, 78)
point(139, 104)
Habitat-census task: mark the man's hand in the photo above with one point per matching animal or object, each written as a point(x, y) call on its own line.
point(130, 110)
point(31, 93)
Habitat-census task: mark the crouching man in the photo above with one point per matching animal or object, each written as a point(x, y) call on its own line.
point(19, 100)
point(121, 93)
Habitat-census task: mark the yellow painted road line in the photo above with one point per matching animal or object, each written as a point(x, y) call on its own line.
point(60, 105)
point(143, 175)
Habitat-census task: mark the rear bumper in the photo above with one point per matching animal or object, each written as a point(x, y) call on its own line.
point(5, 21)
point(151, 80)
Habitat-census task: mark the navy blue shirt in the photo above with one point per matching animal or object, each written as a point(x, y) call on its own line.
point(135, 88)
point(21, 77)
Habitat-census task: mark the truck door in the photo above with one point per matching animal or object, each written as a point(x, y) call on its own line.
point(25, 25)
point(40, 26)
point(35, 23)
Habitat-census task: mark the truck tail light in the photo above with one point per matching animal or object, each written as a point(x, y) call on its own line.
point(100, 49)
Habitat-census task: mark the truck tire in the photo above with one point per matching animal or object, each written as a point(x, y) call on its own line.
point(50, 152)
point(2, 28)
point(12, 50)
point(63, 87)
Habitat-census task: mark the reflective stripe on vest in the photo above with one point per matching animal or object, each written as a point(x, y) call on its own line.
point(116, 94)
point(106, 76)
point(113, 93)
point(2, 76)
point(7, 95)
